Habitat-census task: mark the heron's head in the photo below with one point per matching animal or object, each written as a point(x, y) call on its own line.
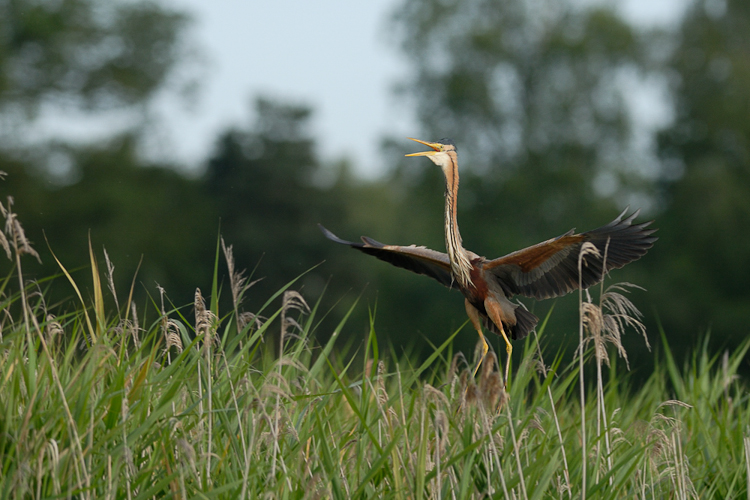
point(443, 152)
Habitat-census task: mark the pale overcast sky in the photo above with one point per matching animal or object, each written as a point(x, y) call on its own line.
point(337, 56)
point(334, 55)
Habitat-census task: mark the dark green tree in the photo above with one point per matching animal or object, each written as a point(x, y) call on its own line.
point(131, 208)
point(705, 153)
point(90, 56)
point(262, 183)
point(90, 53)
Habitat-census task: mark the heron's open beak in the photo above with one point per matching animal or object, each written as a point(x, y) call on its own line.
point(437, 147)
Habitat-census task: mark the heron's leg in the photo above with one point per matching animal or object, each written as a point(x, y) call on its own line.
point(495, 313)
point(476, 320)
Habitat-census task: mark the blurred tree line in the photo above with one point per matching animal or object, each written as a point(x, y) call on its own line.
point(533, 92)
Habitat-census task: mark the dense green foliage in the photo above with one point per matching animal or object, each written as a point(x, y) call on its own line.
point(707, 203)
point(145, 402)
point(90, 53)
point(536, 103)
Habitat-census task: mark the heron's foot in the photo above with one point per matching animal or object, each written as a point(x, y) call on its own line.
point(485, 348)
point(509, 350)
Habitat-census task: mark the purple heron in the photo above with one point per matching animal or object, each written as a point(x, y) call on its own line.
point(548, 269)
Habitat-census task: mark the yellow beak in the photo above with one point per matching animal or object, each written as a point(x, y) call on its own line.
point(436, 146)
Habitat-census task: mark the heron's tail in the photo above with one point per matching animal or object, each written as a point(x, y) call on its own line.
point(525, 322)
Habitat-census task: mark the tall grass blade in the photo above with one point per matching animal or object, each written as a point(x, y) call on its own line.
point(98, 295)
point(92, 331)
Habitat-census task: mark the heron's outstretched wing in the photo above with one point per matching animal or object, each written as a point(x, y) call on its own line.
point(550, 268)
point(420, 260)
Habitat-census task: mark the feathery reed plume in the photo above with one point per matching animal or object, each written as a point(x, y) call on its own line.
point(4, 241)
point(436, 396)
point(382, 394)
point(136, 327)
point(470, 392)
point(14, 229)
point(200, 310)
point(245, 318)
point(170, 328)
point(186, 456)
point(236, 279)
point(491, 387)
point(52, 328)
point(607, 321)
point(291, 301)
point(239, 286)
point(111, 279)
point(205, 320)
point(172, 336)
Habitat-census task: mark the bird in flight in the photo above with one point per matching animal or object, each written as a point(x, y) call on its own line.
point(545, 270)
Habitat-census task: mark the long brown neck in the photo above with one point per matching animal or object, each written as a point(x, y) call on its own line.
point(459, 259)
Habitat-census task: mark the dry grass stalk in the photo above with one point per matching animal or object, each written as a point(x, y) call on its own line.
point(746, 442)
point(206, 326)
point(54, 452)
point(665, 458)
point(494, 448)
point(291, 300)
point(544, 371)
point(604, 324)
point(586, 249)
point(130, 469)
